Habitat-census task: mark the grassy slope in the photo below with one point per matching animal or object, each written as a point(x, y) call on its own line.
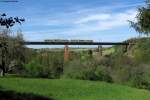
point(74, 89)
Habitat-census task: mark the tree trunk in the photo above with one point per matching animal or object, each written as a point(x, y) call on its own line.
point(2, 72)
point(2, 67)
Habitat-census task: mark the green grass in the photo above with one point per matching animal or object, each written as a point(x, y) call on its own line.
point(63, 89)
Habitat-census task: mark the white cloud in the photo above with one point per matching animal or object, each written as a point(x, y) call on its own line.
point(118, 20)
point(109, 8)
point(82, 23)
point(104, 21)
point(81, 15)
point(91, 23)
point(94, 18)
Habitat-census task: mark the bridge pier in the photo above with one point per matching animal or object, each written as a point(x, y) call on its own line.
point(130, 45)
point(100, 50)
point(90, 53)
point(66, 53)
point(127, 47)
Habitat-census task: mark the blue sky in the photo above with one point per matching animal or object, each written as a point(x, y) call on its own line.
point(99, 20)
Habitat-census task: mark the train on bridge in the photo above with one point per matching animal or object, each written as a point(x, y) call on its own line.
point(75, 41)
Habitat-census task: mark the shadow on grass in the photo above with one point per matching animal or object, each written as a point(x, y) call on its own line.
point(11, 95)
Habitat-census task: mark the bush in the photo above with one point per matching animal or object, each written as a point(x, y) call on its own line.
point(141, 76)
point(34, 69)
point(79, 69)
point(102, 74)
point(86, 69)
point(141, 51)
point(45, 64)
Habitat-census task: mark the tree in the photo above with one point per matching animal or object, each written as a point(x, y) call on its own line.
point(4, 39)
point(142, 25)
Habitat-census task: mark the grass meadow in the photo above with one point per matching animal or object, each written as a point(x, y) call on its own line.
point(67, 89)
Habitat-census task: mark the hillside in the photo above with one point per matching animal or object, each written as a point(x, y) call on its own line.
point(65, 89)
point(139, 49)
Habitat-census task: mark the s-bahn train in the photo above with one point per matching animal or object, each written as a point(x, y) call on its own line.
point(60, 40)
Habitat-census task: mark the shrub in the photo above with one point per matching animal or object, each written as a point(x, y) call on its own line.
point(79, 69)
point(45, 64)
point(86, 69)
point(102, 74)
point(141, 76)
point(141, 51)
point(34, 69)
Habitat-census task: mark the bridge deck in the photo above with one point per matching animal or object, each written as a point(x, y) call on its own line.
point(75, 43)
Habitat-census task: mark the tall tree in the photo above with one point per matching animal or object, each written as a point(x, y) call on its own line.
point(142, 25)
point(4, 39)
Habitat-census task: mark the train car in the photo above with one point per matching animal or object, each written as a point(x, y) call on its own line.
point(74, 40)
point(57, 40)
point(49, 40)
point(89, 41)
point(64, 40)
point(60, 40)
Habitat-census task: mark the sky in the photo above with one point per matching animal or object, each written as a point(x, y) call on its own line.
point(98, 20)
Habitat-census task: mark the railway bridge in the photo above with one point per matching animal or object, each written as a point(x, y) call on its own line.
point(66, 43)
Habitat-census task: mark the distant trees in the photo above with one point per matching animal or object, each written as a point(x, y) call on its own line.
point(142, 25)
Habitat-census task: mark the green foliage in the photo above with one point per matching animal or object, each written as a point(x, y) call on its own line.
point(141, 51)
point(143, 20)
point(102, 74)
point(140, 76)
point(132, 66)
point(35, 70)
point(79, 69)
point(87, 69)
point(45, 64)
